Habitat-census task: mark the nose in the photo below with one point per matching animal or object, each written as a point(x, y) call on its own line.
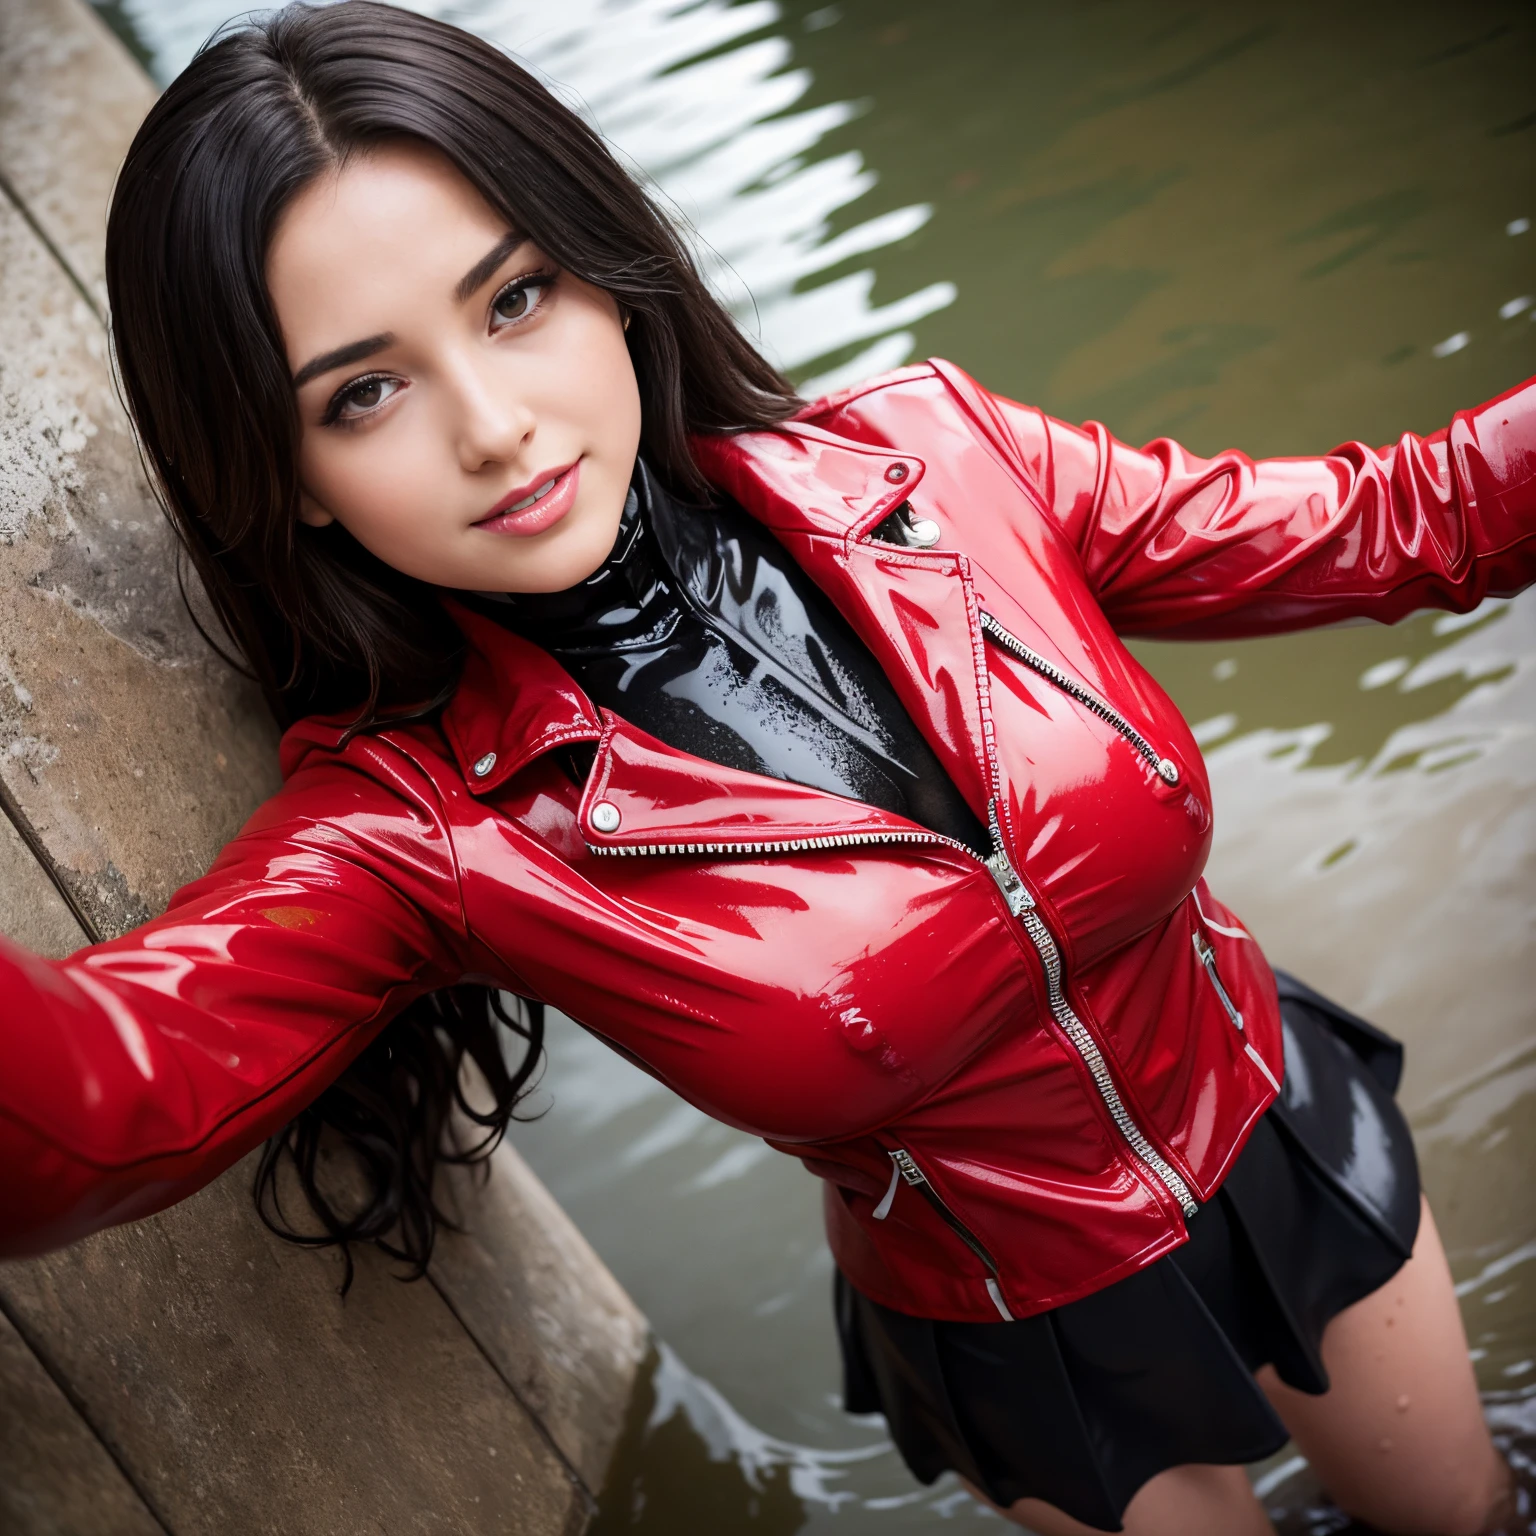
point(492, 424)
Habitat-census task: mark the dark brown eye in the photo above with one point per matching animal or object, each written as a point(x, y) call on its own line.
point(511, 304)
point(522, 297)
point(364, 396)
point(361, 397)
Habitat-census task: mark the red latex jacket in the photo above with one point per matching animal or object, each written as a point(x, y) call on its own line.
point(1015, 1078)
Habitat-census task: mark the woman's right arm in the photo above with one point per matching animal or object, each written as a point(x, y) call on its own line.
point(134, 1072)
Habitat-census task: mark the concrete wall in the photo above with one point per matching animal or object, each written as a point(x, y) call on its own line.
point(190, 1373)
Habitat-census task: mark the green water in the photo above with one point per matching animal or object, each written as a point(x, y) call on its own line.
point(1270, 226)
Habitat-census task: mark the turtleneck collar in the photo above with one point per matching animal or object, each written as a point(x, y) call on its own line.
point(704, 633)
point(630, 600)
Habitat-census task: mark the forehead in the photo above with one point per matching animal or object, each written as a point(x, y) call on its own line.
point(394, 228)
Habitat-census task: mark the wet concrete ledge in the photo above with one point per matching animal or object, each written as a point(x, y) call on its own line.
point(189, 1373)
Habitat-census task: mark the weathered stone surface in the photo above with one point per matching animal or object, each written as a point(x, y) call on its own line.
point(131, 751)
point(31, 911)
point(246, 1395)
point(56, 1479)
point(70, 100)
point(544, 1308)
point(217, 1365)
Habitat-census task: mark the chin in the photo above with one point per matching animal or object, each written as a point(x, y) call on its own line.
point(572, 559)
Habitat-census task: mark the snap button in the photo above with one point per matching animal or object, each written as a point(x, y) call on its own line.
point(897, 473)
point(605, 817)
point(925, 533)
point(484, 765)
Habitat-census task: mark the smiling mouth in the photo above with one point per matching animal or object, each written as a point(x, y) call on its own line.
point(541, 508)
point(528, 501)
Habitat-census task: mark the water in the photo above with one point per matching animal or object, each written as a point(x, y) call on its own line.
point(1271, 226)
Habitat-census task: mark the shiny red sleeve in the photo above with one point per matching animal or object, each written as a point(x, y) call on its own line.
point(1177, 545)
point(135, 1071)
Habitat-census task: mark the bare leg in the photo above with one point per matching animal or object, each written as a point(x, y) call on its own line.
point(1183, 1501)
point(1399, 1440)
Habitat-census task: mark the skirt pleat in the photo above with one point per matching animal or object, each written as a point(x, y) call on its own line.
point(1081, 1405)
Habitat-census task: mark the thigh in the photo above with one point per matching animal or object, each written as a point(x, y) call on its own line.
point(1183, 1501)
point(1399, 1438)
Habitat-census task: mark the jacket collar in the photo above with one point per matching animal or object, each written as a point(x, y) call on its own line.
point(802, 480)
point(658, 799)
point(513, 702)
point(915, 609)
point(822, 495)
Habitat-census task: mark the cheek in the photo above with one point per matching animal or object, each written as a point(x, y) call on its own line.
point(620, 390)
point(375, 483)
point(593, 385)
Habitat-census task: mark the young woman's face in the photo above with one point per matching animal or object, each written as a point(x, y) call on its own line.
point(469, 412)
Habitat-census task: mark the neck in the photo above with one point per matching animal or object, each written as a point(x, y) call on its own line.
point(629, 598)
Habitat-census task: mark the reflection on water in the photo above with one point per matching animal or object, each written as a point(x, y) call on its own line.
point(705, 100)
point(1273, 225)
point(1348, 700)
point(690, 1461)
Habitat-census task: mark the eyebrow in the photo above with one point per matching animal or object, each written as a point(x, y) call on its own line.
point(488, 263)
point(339, 357)
point(356, 351)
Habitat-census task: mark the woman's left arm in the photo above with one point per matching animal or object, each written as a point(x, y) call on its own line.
point(1177, 545)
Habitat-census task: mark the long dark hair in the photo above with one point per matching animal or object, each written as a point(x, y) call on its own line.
point(322, 625)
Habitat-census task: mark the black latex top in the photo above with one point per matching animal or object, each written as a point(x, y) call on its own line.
point(700, 629)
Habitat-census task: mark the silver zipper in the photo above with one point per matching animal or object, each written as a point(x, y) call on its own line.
point(1164, 767)
point(919, 1181)
point(1208, 960)
point(1022, 905)
point(787, 845)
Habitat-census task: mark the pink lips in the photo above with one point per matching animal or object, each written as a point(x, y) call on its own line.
point(547, 500)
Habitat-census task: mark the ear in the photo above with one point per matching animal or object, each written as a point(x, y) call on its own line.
point(312, 514)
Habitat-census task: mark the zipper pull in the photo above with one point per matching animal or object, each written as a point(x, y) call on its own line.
point(909, 1170)
point(1019, 900)
point(1208, 960)
point(1002, 871)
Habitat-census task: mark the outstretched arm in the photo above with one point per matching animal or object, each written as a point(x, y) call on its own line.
point(135, 1071)
point(1177, 545)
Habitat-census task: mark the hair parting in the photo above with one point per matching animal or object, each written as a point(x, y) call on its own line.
point(262, 111)
point(265, 108)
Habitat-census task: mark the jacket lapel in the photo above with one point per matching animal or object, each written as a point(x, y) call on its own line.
point(823, 496)
point(646, 797)
point(513, 703)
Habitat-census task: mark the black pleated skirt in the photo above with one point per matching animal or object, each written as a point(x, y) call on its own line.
point(1081, 1405)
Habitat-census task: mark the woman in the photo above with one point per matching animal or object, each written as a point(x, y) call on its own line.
point(792, 750)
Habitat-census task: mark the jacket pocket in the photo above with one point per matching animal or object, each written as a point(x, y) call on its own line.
point(904, 1167)
point(1208, 959)
point(1205, 952)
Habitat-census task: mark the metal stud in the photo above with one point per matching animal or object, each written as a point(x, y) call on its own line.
point(484, 765)
point(897, 473)
point(924, 533)
point(605, 817)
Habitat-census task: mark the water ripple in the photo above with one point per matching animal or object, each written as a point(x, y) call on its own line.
point(700, 103)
